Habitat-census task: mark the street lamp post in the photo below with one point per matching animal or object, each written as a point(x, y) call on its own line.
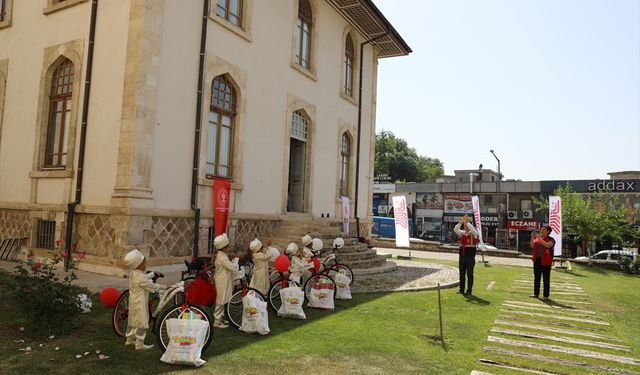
point(499, 174)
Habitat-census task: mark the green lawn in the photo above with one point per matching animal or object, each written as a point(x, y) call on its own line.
point(385, 333)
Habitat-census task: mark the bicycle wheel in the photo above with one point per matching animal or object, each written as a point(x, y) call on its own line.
point(178, 299)
point(274, 293)
point(335, 269)
point(162, 335)
point(120, 315)
point(233, 309)
point(323, 279)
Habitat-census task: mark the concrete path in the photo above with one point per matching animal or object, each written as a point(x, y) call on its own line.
point(560, 336)
point(521, 262)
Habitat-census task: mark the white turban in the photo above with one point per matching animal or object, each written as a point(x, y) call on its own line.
point(221, 241)
point(338, 242)
point(133, 259)
point(273, 253)
point(306, 240)
point(255, 245)
point(316, 244)
point(292, 248)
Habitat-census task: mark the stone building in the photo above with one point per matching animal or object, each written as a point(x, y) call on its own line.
point(102, 102)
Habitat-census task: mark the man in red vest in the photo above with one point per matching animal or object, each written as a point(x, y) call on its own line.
point(467, 258)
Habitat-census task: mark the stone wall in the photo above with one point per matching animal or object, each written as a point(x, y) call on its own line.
point(14, 223)
point(243, 231)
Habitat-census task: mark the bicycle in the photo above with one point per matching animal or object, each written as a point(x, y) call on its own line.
point(318, 276)
point(234, 308)
point(335, 267)
point(274, 291)
point(158, 323)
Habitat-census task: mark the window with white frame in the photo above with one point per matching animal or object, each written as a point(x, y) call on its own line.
point(299, 126)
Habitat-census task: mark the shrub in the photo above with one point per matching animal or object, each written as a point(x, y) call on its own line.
point(44, 296)
point(629, 265)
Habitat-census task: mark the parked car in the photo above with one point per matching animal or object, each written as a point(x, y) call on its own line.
point(611, 256)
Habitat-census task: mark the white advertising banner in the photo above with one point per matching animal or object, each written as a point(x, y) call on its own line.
point(345, 215)
point(401, 221)
point(477, 219)
point(555, 222)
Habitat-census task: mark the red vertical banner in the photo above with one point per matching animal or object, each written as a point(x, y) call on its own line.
point(221, 194)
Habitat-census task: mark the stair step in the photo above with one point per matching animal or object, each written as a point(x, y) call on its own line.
point(354, 256)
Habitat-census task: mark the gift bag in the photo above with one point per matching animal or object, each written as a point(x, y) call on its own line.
point(342, 285)
point(254, 314)
point(292, 299)
point(186, 340)
point(321, 296)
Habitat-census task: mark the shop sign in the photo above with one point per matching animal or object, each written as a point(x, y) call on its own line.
point(523, 224)
point(384, 188)
point(458, 204)
point(429, 200)
point(490, 221)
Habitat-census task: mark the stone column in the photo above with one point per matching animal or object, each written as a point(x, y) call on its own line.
point(142, 68)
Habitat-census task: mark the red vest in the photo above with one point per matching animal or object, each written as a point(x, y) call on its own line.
point(546, 259)
point(467, 239)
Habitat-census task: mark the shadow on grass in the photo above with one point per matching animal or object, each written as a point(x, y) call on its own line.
point(476, 300)
point(553, 303)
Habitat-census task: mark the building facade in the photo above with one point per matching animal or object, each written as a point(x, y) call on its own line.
point(263, 94)
point(508, 209)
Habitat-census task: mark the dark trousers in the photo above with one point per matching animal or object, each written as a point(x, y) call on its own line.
point(465, 268)
point(545, 272)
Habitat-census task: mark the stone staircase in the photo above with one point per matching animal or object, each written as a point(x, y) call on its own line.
point(354, 254)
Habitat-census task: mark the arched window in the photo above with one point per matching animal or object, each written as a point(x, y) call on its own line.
point(303, 34)
point(221, 118)
point(59, 115)
point(349, 54)
point(231, 10)
point(345, 160)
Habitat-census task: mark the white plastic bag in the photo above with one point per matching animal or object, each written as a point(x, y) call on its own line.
point(84, 303)
point(292, 299)
point(342, 284)
point(255, 317)
point(321, 296)
point(186, 340)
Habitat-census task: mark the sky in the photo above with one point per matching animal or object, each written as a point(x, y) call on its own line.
point(552, 86)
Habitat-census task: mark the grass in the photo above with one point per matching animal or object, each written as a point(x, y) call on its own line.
point(381, 333)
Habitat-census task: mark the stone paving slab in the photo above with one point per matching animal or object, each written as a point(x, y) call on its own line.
point(409, 276)
point(525, 326)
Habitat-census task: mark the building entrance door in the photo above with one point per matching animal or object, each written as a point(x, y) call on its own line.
point(297, 162)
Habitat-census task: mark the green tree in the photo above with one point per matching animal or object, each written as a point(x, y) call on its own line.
point(395, 158)
point(593, 217)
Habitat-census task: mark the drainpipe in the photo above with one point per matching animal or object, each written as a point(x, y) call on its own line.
point(359, 129)
point(71, 207)
point(196, 141)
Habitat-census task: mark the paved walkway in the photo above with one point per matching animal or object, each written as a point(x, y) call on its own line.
point(561, 336)
point(522, 262)
point(408, 276)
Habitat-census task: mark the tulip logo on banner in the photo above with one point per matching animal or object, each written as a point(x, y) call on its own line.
point(476, 218)
point(555, 222)
point(345, 215)
point(401, 220)
point(221, 189)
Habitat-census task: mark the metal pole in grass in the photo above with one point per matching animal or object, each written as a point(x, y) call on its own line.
point(440, 314)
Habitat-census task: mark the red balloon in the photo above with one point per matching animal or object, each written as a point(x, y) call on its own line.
point(316, 264)
point(282, 263)
point(109, 296)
